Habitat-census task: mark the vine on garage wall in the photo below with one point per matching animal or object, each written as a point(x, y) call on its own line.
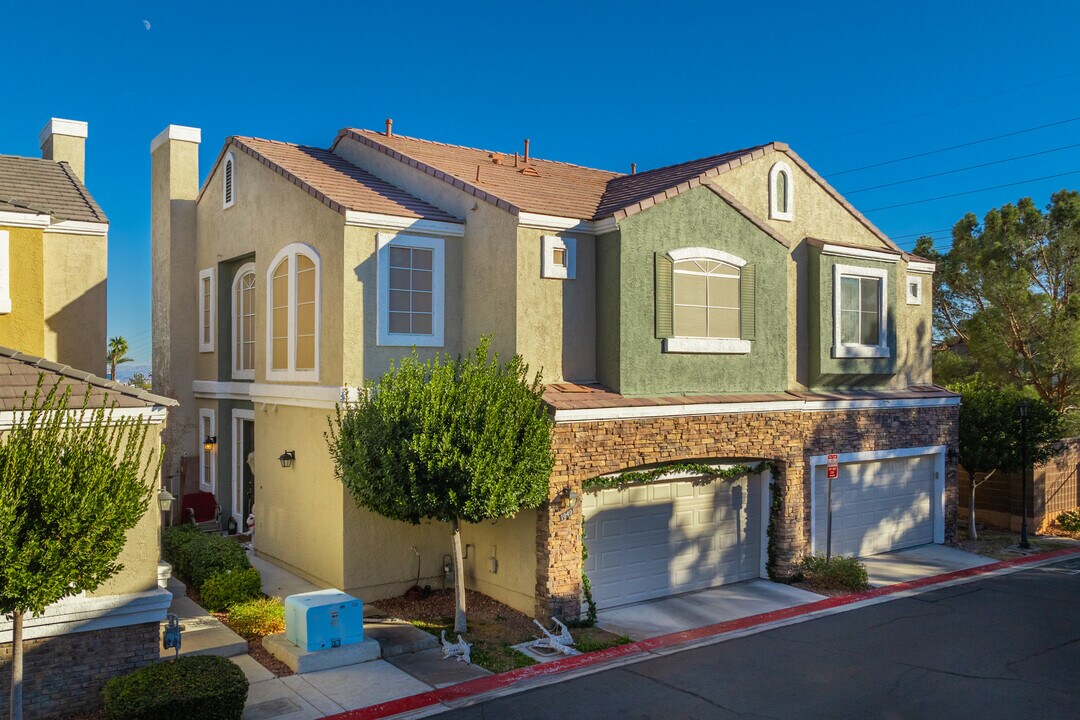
point(702, 474)
point(774, 517)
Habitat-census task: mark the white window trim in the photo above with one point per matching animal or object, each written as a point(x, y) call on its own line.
point(291, 373)
point(707, 253)
point(916, 297)
point(549, 268)
point(711, 346)
point(238, 417)
point(205, 484)
point(881, 350)
point(5, 273)
point(777, 213)
point(230, 163)
point(207, 346)
point(244, 270)
point(438, 274)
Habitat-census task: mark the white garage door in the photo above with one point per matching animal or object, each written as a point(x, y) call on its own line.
point(654, 540)
point(877, 506)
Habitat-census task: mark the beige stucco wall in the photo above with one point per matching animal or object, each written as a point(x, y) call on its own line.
point(140, 555)
point(76, 270)
point(512, 541)
point(819, 215)
point(556, 319)
point(298, 510)
point(23, 327)
point(270, 213)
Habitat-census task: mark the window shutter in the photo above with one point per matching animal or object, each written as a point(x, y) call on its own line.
point(748, 302)
point(665, 324)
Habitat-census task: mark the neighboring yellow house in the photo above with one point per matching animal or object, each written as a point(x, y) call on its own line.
point(732, 309)
point(53, 260)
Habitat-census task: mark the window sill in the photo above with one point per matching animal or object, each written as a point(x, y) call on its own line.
point(388, 340)
point(861, 351)
point(707, 346)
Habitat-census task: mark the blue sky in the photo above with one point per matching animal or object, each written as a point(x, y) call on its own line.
point(599, 84)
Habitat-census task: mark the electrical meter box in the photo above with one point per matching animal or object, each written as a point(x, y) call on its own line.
point(323, 619)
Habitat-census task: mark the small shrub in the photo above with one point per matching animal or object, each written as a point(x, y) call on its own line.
point(202, 686)
point(177, 542)
point(264, 616)
point(841, 572)
point(230, 587)
point(196, 556)
point(1069, 521)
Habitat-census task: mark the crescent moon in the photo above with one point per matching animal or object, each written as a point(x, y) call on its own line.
point(146, 23)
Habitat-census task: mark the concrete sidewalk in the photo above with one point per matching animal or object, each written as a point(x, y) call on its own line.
point(200, 632)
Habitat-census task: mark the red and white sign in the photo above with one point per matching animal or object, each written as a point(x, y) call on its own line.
point(832, 466)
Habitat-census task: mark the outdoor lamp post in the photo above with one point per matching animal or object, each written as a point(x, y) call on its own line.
point(1024, 406)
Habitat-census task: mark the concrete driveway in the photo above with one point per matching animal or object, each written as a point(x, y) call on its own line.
point(919, 562)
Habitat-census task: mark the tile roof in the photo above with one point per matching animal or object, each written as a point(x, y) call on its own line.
point(335, 181)
point(572, 396)
point(45, 187)
point(556, 188)
point(19, 375)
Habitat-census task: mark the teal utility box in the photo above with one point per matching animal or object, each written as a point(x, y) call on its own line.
point(323, 619)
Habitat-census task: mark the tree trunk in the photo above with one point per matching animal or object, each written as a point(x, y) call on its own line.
point(972, 532)
point(459, 579)
point(16, 665)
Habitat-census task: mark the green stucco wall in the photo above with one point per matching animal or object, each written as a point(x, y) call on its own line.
point(825, 370)
point(625, 313)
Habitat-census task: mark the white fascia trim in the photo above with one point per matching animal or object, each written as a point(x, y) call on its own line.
point(214, 390)
point(818, 461)
point(78, 227)
point(690, 253)
point(383, 336)
point(177, 132)
point(151, 415)
point(309, 396)
point(923, 268)
point(395, 222)
point(27, 219)
point(860, 253)
point(84, 614)
point(706, 346)
point(60, 126)
point(658, 411)
point(556, 223)
point(881, 350)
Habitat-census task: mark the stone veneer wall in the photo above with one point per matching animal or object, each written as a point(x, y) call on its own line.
point(65, 673)
point(585, 450)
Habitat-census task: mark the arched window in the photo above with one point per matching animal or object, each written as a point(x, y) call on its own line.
point(781, 192)
point(228, 183)
point(705, 301)
point(293, 300)
point(243, 323)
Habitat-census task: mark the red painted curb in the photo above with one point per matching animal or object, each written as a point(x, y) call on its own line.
point(501, 680)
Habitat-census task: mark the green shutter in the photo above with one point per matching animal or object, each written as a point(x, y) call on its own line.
point(748, 300)
point(665, 324)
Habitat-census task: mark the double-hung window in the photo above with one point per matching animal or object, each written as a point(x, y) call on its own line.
point(410, 289)
point(705, 301)
point(860, 317)
point(243, 323)
point(293, 323)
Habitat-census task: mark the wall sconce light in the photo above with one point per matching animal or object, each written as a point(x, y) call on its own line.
point(287, 458)
point(209, 443)
point(568, 499)
point(165, 500)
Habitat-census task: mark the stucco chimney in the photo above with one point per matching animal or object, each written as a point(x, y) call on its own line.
point(174, 187)
point(65, 141)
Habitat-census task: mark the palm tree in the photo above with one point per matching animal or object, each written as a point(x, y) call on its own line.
point(118, 348)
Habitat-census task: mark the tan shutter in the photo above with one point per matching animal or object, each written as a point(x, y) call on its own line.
point(664, 297)
point(748, 302)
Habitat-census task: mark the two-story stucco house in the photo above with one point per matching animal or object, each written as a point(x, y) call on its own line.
point(731, 309)
point(53, 272)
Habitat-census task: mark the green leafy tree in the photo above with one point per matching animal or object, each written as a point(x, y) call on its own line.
point(72, 483)
point(448, 440)
point(990, 432)
point(1009, 289)
point(140, 381)
point(116, 354)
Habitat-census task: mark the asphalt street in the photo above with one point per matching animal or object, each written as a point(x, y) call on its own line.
point(1003, 647)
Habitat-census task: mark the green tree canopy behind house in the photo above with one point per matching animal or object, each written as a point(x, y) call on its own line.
point(449, 440)
point(73, 481)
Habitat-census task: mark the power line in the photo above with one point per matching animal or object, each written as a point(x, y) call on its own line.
point(963, 169)
point(942, 109)
point(954, 147)
point(920, 234)
point(972, 192)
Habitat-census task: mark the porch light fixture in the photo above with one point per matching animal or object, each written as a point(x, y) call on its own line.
point(570, 498)
point(165, 500)
point(209, 443)
point(287, 458)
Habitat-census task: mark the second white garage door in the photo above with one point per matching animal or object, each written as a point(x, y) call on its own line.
point(878, 505)
point(664, 538)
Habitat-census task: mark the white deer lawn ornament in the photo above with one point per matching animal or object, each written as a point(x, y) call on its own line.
point(562, 642)
point(459, 650)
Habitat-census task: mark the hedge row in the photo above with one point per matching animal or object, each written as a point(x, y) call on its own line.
point(206, 687)
point(216, 566)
